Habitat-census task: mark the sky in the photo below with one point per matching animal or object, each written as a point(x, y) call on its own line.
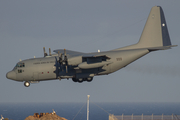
point(86, 26)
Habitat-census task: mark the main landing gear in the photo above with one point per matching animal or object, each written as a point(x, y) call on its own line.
point(26, 84)
point(80, 80)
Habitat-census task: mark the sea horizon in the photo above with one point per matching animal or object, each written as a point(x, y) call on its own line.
point(77, 110)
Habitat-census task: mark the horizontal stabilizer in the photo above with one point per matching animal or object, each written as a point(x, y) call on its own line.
point(161, 48)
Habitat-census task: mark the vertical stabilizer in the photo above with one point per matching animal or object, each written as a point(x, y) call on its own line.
point(155, 32)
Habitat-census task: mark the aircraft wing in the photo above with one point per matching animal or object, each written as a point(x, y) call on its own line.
point(69, 52)
point(90, 60)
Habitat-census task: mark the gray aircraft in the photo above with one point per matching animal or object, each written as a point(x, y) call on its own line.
point(81, 67)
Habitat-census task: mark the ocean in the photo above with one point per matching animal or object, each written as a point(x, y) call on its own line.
point(77, 111)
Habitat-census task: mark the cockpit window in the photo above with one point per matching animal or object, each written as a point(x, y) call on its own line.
point(19, 65)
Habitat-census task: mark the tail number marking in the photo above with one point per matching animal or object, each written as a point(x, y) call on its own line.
point(119, 59)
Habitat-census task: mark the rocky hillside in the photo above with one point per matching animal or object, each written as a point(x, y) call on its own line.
point(46, 117)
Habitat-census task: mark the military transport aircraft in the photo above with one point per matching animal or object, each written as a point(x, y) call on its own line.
point(81, 67)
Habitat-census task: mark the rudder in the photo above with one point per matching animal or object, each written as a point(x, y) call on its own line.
point(165, 33)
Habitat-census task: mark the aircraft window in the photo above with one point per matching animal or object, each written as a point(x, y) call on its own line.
point(19, 71)
point(19, 65)
point(15, 67)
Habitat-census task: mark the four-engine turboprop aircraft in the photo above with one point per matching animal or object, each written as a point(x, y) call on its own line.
point(81, 67)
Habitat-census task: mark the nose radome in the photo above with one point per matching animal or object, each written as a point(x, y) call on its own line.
point(11, 75)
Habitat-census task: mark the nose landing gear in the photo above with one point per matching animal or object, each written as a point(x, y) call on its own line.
point(26, 84)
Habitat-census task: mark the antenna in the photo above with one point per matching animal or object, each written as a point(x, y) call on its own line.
point(88, 107)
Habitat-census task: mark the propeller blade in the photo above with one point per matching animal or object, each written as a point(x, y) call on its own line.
point(60, 57)
point(65, 60)
point(50, 52)
point(65, 57)
point(45, 54)
point(44, 49)
point(64, 51)
point(66, 69)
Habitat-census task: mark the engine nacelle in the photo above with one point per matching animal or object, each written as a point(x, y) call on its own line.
point(75, 60)
point(85, 65)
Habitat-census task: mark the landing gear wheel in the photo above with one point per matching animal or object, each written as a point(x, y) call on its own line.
point(89, 79)
point(80, 80)
point(26, 84)
point(74, 79)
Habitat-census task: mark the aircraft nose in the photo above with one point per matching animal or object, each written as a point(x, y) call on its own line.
point(11, 75)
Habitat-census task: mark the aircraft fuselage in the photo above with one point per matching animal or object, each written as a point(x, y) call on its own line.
point(47, 68)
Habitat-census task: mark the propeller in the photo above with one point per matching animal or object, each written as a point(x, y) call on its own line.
point(63, 61)
point(58, 64)
point(45, 54)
